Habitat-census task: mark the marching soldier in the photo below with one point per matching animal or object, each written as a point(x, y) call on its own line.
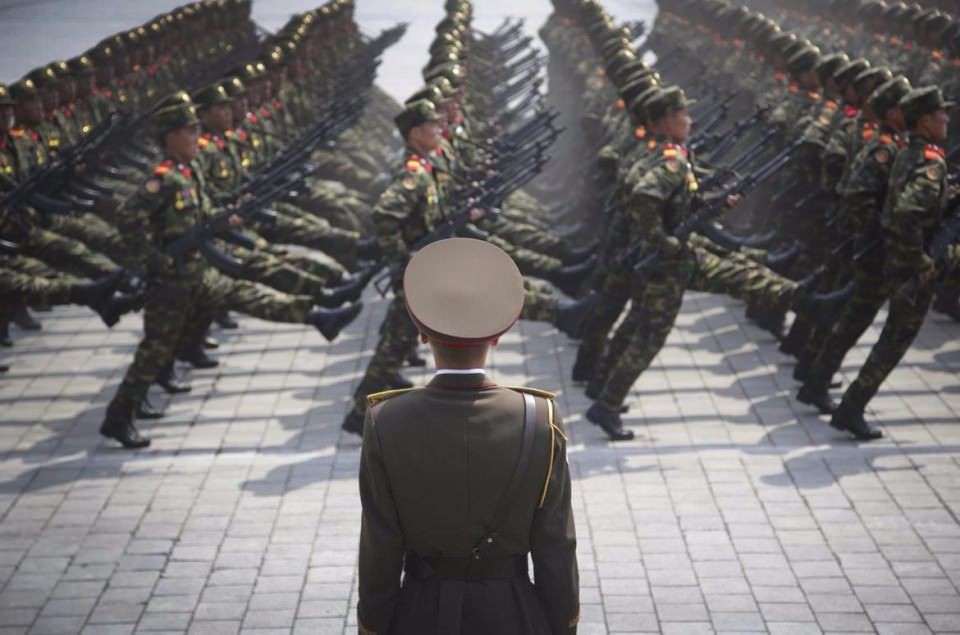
point(429, 562)
point(912, 212)
point(183, 296)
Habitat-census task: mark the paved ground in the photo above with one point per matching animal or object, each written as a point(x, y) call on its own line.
point(734, 510)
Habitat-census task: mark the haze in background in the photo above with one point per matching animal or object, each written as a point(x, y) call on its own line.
point(36, 32)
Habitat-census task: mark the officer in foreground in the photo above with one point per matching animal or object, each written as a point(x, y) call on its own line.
point(463, 478)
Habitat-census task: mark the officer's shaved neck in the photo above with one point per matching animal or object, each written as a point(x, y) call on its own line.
point(458, 358)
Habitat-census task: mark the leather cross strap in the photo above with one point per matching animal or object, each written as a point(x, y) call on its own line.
point(453, 587)
point(519, 472)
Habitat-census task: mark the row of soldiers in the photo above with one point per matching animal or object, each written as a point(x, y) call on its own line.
point(846, 154)
point(249, 192)
point(476, 133)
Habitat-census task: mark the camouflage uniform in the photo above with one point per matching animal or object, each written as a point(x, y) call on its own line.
point(914, 206)
point(180, 295)
point(661, 199)
point(864, 194)
point(410, 207)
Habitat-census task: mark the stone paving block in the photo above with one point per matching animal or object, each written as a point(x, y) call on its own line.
point(57, 625)
point(214, 628)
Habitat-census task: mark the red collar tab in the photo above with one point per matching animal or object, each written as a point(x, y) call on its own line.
point(675, 147)
point(850, 111)
point(932, 151)
point(415, 160)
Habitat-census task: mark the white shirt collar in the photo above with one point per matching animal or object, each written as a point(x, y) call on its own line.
point(461, 371)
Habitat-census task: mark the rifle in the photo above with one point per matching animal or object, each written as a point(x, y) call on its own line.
point(730, 138)
point(199, 238)
point(532, 128)
point(709, 210)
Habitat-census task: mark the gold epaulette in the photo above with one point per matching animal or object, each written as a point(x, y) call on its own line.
point(377, 397)
point(536, 392)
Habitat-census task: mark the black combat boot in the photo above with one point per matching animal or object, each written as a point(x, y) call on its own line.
point(353, 423)
point(369, 249)
point(849, 418)
point(332, 297)
point(118, 425)
point(118, 305)
point(194, 354)
point(781, 261)
point(825, 308)
point(816, 395)
point(96, 294)
point(947, 303)
point(593, 389)
point(770, 321)
point(582, 369)
point(572, 316)
point(569, 279)
point(146, 410)
point(5, 340)
point(795, 341)
point(577, 255)
point(24, 321)
point(225, 321)
point(609, 420)
point(169, 382)
point(331, 321)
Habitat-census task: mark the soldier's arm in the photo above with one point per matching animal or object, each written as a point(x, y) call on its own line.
point(833, 161)
point(918, 197)
point(381, 538)
point(553, 541)
point(650, 195)
point(134, 223)
point(392, 210)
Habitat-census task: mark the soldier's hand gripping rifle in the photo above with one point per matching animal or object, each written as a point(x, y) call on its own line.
point(939, 251)
point(487, 196)
point(708, 211)
point(249, 208)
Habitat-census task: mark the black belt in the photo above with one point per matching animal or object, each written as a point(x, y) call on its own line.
point(465, 569)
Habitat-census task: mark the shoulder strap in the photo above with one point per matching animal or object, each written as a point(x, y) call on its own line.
point(519, 472)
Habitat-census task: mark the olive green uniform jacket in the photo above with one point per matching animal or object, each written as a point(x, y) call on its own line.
point(434, 468)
